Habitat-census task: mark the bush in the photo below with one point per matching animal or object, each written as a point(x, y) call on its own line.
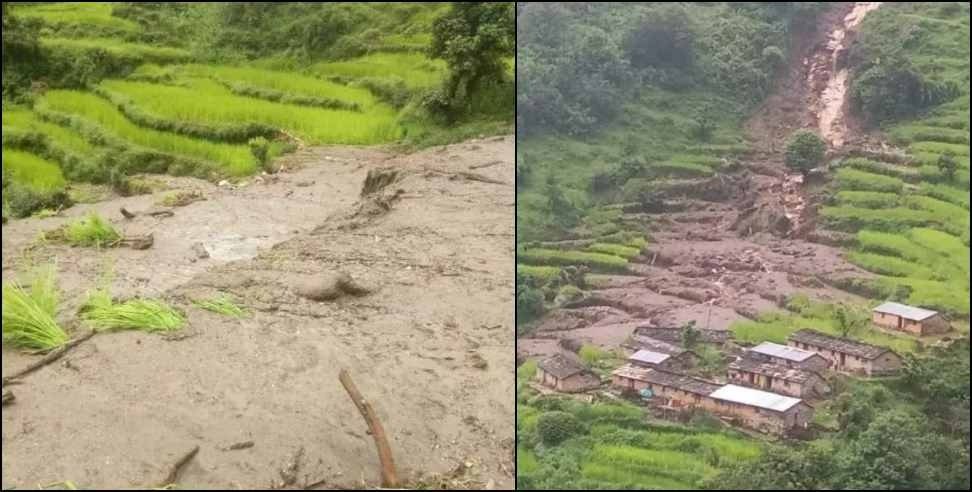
point(773, 57)
point(529, 303)
point(555, 427)
point(805, 150)
point(893, 90)
point(947, 165)
point(664, 39)
point(260, 148)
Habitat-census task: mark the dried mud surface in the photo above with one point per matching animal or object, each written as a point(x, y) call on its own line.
point(431, 345)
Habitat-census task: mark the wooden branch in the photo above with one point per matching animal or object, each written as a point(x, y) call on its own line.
point(389, 477)
point(50, 357)
point(173, 475)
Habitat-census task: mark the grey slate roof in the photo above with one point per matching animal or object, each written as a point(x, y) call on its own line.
point(664, 378)
point(783, 352)
point(770, 369)
point(755, 398)
point(841, 345)
point(560, 366)
point(905, 311)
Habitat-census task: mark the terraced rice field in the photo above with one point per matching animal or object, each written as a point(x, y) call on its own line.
point(194, 118)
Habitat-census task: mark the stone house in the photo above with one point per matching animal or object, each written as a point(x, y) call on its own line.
point(673, 335)
point(790, 381)
point(909, 319)
point(788, 356)
point(566, 374)
point(677, 390)
point(651, 359)
point(846, 355)
point(760, 410)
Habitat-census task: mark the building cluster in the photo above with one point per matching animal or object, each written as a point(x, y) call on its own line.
point(767, 387)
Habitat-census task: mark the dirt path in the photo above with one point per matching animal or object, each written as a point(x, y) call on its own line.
point(431, 346)
point(735, 245)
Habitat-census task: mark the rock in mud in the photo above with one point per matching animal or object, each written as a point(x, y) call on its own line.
point(328, 287)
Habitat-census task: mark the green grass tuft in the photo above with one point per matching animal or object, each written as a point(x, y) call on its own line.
point(223, 304)
point(92, 231)
point(137, 314)
point(28, 313)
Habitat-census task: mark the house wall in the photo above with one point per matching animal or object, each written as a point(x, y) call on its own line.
point(676, 397)
point(578, 382)
point(775, 385)
point(934, 325)
point(886, 364)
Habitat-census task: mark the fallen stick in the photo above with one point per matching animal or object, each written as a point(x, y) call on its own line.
point(178, 466)
point(8, 397)
point(389, 477)
point(50, 357)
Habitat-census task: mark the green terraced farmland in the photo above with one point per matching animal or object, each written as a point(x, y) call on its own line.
point(414, 69)
point(208, 103)
point(36, 172)
point(88, 109)
point(125, 50)
point(97, 14)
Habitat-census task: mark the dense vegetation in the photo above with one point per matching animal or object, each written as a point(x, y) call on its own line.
point(106, 90)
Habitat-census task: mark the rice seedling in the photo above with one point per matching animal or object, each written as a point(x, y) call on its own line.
point(852, 179)
point(853, 219)
point(29, 313)
point(538, 274)
point(890, 265)
point(946, 193)
point(903, 172)
point(208, 103)
point(625, 252)
point(597, 261)
point(23, 120)
point(679, 169)
point(91, 231)
point(118, 48)
point(223, 304)
point(415, 69)
point(868, 199)
point(36, 172)
point(97, 14)
point(104, 314)
point(236, 160)
point(922, 133)
point(285, 82)
point(939, 148)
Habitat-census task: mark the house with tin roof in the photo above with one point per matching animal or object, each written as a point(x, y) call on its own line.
point(650, 358)
point(758, 409)
point(790, 381)
point(788, 356)
point(910, 319)
point(846, 355)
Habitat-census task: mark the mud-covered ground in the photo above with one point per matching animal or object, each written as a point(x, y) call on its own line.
point(732, 246)
point(431, 346)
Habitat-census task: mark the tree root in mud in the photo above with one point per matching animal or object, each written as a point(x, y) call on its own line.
point(176, 469)
point(50, 357)
point(151, 213)
point(389, 476)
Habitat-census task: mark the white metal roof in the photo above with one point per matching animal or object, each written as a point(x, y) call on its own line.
point(755, 397)
point(905, 311)
point(648, 357)
point(783, 351)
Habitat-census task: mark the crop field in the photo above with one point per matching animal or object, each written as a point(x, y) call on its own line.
point(97, 14)
point(619, 448)
point(32, 170)
point(414, 69)
point(121, 49)
point(207, 102)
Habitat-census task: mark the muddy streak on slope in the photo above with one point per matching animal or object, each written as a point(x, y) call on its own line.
point(729, 254)
point(830, 64)
point(431, 347)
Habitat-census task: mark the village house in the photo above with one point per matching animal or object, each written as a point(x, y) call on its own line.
point(909, 319)
point(760, 410)
point(673, 335)
point(677, 390)
point(847, 355)
point(790, 381)
point(652, 359)
point(788, 356)
point(566, 374)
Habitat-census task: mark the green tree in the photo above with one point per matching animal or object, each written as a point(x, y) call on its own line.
point(564, 213)
point(805, 150)
point(849, 321)
point(663, 39)
point(555, 427)
point(690, 335)
point(947, 165)
point(473, 38)
point(529, 303)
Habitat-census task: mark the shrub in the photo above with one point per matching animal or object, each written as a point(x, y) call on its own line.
point(568, 293)
point(596, 261)
point(555, 427)
point(664, 39)
point(260, 148)
point(947, 165)
point(529, 303)
point(773, 57)
point(805, 150)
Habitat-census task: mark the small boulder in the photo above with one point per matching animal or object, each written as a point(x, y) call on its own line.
point(328, 287)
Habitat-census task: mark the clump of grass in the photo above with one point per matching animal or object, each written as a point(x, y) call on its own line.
point(149, 315)
point(181, 198)
point(222, 305)
point(91, 231)
point(28, 313)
